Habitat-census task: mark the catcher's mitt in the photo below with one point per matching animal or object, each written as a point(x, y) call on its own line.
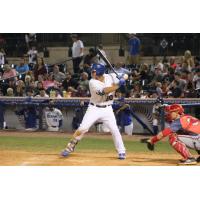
point(149, 145)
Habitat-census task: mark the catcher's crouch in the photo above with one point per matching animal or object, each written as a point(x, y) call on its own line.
point(183, 132)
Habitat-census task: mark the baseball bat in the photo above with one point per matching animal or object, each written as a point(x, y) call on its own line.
point(107, 62)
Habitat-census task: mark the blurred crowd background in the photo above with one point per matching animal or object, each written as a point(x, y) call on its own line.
point(174, 71)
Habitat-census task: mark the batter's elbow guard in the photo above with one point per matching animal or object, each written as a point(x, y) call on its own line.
point(60, 123)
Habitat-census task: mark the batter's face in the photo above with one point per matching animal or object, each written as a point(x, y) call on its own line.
point(93, 74)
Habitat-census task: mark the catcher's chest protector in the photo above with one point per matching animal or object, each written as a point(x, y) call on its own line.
point(190, 124)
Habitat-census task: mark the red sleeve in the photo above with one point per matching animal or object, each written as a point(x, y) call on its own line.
point(166, 132)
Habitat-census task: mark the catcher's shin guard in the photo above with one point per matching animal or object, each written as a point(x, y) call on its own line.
point(179, 146)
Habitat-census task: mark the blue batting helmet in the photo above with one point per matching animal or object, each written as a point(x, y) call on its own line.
point(99, 68)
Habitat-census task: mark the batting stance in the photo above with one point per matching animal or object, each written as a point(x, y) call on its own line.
point(53, 117)
point(183, 132)
point(102, 87)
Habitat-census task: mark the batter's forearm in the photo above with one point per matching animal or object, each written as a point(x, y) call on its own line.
point(113, 88)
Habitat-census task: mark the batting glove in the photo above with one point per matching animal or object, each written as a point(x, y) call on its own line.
point(122, 82)
point(147, 141)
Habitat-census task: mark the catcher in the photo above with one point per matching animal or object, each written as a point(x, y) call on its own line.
point(183, 132)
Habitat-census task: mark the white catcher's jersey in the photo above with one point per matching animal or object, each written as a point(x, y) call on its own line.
point(96, 88)
point(53, 117)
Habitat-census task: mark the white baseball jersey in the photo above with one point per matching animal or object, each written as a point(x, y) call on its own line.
point(100, 109)
point(96, 88)
point(53, 117)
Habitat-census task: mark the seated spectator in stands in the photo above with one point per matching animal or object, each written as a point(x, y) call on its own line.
point(27, 81)
point(58, 76)
point(72, 92)
point(190, 91)
point(172, 62)
point(81, 92)
point(164, 86)
point(144, 73)
point(181, 82)
point(120, 68)
point(89, 60)
point(175, 91)
point(49, 81)
point(159, 91)
point(19, 91)
point(42, 93)
point(158, 76)
point(2, 56)
point(32, 54)
point(8, 72)
point(38, 87)
point(84, 82)
point(196, 79)
point(23, 67)
point(40, 68)
point(68, 82)
point(136, 91)
point(10, 92)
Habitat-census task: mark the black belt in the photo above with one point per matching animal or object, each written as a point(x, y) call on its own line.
point(99, 106)
point(54, 126)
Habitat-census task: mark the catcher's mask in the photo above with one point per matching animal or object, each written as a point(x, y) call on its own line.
point(173, 108)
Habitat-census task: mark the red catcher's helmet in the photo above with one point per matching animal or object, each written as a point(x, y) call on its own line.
point(173, 108)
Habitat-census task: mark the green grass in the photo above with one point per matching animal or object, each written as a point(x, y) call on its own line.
point(55, 144)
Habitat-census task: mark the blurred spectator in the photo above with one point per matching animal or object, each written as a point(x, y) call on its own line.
point(172, 62)
point(40, 68)
point(22, 68)
point(30, 39)
point(89, 60)
point(68, 82)
point(84, 82)
point(2, 56)
point(10, 92)
point(159, 91)
point(32, 54)
point(8, 72)
point(49, 81)
point(158, 76)
point(175, 91)
point(19, 92)
point(42, 93)
point(77, 52)
point(120, 68)
point(134, 49)
point(136, 91)
point(187, 60)
point(196, 79)
point(38, 87)
point(58, 76)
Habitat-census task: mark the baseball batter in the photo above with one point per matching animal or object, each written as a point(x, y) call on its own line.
point(102, 87)
point(53, 117)
point(183, 132)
